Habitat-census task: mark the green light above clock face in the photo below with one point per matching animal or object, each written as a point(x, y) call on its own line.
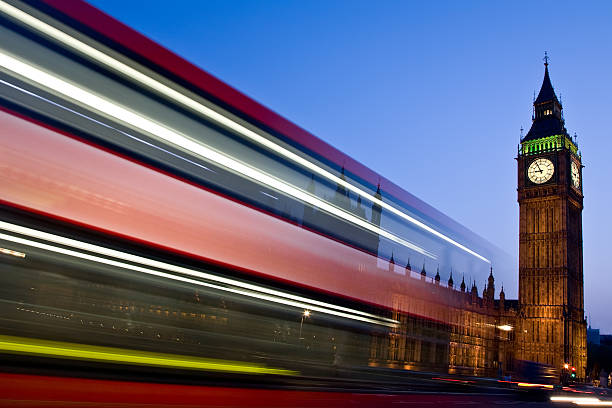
point(540, 171)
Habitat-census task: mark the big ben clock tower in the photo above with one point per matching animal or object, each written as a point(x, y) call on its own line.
point(551, 328)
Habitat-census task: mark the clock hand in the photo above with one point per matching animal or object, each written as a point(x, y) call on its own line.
point(538, 166)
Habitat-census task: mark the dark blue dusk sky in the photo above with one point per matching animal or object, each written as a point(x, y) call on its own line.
point(432, 95)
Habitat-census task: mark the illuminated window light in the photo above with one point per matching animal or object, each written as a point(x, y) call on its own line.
point(505, 327)
point(212, 115)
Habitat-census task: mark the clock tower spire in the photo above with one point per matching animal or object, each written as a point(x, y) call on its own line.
point(551, 300)
point(547, 112)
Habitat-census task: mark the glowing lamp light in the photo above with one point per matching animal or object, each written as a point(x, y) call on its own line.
point(505, 327)
point(566, 366)
point(306, 313)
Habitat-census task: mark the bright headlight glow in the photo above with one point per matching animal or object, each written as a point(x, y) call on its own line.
point(583, 401)
point(239, 287)
point(572, 399)
point(223, 120)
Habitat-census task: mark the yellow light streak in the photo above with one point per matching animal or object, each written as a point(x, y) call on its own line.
point(57, 349)
point(213, 115)
point(523, 384)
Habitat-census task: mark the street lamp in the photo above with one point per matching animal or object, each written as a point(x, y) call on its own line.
point(306, 315)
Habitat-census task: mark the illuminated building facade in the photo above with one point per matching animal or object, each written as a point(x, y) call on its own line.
point(465, 333)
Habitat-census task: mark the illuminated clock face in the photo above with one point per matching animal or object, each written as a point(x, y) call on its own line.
point(540, 170)
point(575, 175)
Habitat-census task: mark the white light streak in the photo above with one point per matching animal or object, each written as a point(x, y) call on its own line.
point(13, 253)
point(106, 125)
point(247, 289)
point(118, 112)
point(269, 195)
point(214, 116)
point(583, 401)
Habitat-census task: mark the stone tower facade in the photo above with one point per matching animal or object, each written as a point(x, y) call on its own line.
point(552, 328)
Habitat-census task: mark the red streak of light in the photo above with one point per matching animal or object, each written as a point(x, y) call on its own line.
point(19, 390)
point(570, 389)
point(452, 379)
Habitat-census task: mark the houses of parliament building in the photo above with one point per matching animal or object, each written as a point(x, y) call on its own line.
point(546, 323)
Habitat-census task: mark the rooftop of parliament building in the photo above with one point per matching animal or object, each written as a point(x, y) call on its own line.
point(465, 332)
point(471, 296)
